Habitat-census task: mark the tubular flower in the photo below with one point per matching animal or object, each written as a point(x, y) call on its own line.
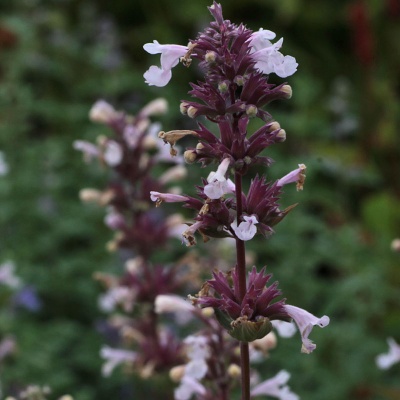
point(248, 319)
point(305, 321)
point(167, 197)
point(170, 55)
point(295, 176)
point(275, 387)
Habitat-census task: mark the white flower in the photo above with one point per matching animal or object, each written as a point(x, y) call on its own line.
point(3, 165)
point(269, 59)
point(188, 387)
point(170, 55)
point(275, 387)
point(118, 295)
point(7, 275)
point(218, 185)
point(170, 303)
point(305, 321)
point(385, 361)
point(114, 357)
point(88, 149)
point(113, 153)
point(246, 229)
point(284, 329)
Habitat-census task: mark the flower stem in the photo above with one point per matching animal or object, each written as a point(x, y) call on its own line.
point(241, 274)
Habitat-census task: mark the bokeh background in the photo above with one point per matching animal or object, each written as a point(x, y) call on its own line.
point(332, 255)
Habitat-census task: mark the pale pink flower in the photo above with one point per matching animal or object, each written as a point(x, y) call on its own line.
point(113, 219)
point(166, 197)
point(305, 321)
point(188, 387)
point(156, 107)
point(246, 230)
point(385, 361)
point(296, 175)
point(170, 55)
point(88, 149)
point(275, 387)
point(113, 153)
point(114, 357)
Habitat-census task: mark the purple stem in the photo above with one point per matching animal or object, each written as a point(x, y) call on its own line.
point(241, 274)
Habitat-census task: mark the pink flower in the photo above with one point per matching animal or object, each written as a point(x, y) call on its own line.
point(385, 361)
point(170, 55)
point(103, 112)
point(246, 229)
point(275, 387)
point(296, 175)
point(167, 197)
point(305, 321)
point(115, 357)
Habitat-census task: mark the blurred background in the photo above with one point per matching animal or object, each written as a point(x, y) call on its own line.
point(332, 255)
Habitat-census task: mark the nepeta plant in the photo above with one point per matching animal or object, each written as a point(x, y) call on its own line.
point(236, 63)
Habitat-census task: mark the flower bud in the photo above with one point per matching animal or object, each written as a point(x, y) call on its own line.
point(199, 146)
point(102, 112)
point(210, 57)
point(66, 397)
point(173, 174)
point(247, 160)
point(239, 80)
point(287, 91)
point(234, 371)
point(191, 112)
point(183, 107)
point(281, 136)
point(176, 373)
point(90, 195)
point(274, 126)
point(266, 343)
point(223, 86)
point(395, 245)
point(190, 156)
point(208, 312)
point(156, 107)
point(251, 111)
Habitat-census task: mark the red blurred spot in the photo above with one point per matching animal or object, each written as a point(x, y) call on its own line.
point(363, 38)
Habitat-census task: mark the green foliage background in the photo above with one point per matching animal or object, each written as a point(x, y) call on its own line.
point(331, 255)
